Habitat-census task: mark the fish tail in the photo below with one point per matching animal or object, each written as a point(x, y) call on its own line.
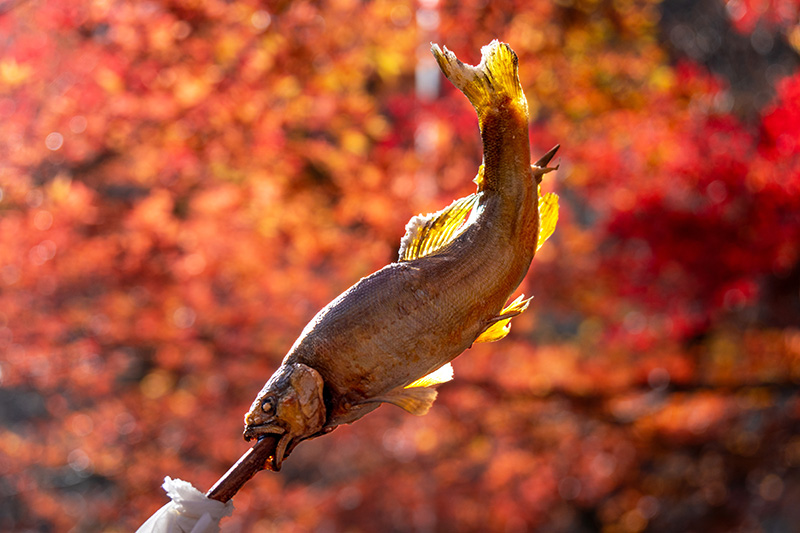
point(490, 84)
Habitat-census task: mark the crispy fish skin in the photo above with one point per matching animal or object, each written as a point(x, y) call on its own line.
point(448, 290)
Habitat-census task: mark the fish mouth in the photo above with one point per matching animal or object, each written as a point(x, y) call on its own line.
point(259, 430)
point(282, 442)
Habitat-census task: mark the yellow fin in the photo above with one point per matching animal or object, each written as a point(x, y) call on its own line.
point(495, 332)
point(437, 377)
point(501, 324)
point(478, 179)
point(548, 216)
point(418, 397)
point(494, 80)
point(426, 234)
point(416, 400)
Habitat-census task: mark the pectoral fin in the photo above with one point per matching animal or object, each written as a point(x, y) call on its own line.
point(437, 377)
point(500, 325)
point(548, 216)
point(417, 400)
point(418, 397)
point(478, 179)
point(426, 234)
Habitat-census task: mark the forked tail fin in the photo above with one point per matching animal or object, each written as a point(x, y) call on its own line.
point(492, 82)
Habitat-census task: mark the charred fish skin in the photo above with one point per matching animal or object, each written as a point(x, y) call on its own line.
point(390, 337)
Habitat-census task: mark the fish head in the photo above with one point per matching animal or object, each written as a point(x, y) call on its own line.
point(290, 406)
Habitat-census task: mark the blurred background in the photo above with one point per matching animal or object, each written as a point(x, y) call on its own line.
point(183, 184)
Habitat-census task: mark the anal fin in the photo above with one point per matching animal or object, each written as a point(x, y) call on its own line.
point(548, 216)
point(500, 325)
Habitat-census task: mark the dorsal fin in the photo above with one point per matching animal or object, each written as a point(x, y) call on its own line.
point(548, 216)
point(426, 234)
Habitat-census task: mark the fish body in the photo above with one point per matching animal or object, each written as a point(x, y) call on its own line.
point(390, 337)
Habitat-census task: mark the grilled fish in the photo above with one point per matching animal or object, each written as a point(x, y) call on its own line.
point(390, 337)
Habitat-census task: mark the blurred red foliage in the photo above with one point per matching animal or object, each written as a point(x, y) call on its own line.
point(184, 184)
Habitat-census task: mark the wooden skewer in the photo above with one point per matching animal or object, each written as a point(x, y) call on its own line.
point(253, 461)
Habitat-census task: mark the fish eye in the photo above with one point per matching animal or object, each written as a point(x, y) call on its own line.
point(268, 405)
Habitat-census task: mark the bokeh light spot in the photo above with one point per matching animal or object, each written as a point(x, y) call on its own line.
point(78, 124)
point(400, 15)
point(125, 423)
point(569, 488)
point(658, 378)
point(771, 487)
point(10, 274)
point(54, 141)
point(156, 384)
point(349, 498)
point(181, 30)
point(82, 425)
point(184, 317)
point(42, 220)
point(79, 461)
point(261, 20)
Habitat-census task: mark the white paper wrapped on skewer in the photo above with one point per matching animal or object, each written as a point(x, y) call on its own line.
point(190, 511)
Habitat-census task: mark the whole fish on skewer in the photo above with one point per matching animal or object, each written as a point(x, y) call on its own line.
point(390, 337)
